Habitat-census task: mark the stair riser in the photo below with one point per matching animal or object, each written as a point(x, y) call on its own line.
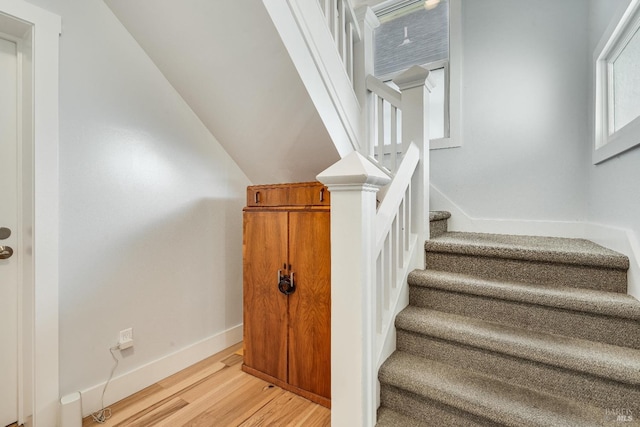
point(609, 330)
point(437, 228)
point(428, 411)
point(535, 272)
point(581, 387)
point(387, 417)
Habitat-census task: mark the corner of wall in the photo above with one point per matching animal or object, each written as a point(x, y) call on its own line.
point(128, 383)
point(624, 241)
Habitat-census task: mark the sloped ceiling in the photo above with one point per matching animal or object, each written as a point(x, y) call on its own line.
point(227, 61)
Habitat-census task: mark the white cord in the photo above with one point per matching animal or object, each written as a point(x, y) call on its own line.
point(105, 413)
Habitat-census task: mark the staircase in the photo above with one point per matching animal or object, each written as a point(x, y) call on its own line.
point(515, 331)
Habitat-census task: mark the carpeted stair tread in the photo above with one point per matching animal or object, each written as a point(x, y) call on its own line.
point(584, 300)
point(390, 418)
point(531, 248)
point(483, 395)
point(594, 358)
point(439, 215)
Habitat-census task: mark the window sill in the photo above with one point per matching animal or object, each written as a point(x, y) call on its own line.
point(624, 140)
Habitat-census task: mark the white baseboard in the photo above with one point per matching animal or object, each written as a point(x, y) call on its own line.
point(133, 381)
point(623, 241)
point(619, 239)
point(461, 221)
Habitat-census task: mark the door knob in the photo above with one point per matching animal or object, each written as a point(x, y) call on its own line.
point(5, 252)
point(4, 233)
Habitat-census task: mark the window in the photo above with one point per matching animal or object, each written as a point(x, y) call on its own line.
point(426, 33)
point(625, 81)
point(618, 88)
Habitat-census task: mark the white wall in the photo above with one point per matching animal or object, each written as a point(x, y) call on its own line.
point(226, 59)
point(613, 184)
point(524, 112)
point(150, 206)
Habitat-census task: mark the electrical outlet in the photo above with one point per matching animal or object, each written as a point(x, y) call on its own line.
point(126, 339)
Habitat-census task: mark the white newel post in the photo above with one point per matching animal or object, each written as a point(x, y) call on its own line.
point(415, 88)
point(353, 183)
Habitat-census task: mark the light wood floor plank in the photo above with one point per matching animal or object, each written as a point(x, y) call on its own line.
point(129, 406)
point(215, 392)
point(159, 413)
point(320, 417)
point(223, 382)
point(200, 366)
point(285, 410)
point(223, 406)
point(130, 409)
point(234, 359)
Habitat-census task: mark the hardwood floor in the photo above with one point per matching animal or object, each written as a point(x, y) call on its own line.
point(215, 392)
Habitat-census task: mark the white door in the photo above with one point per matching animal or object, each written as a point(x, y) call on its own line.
point(8, 220)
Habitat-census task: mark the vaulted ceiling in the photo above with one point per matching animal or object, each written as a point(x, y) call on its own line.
point(227, 61)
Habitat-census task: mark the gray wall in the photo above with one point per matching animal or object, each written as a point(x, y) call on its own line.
point(150, 206)
point(614, 185)
point(524, 112)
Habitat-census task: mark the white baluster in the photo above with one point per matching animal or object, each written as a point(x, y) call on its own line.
point(394, 138)
point(395, 250)
point(380, 123)
point(402, 234)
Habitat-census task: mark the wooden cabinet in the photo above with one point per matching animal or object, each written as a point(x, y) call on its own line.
point(300, 194)
point(287, 337)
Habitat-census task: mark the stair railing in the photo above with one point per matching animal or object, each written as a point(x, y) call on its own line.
point(400, 144)
point(386, 138)
point(321, 38)
point(373, 248)
point(343, 25)
point(395, 245)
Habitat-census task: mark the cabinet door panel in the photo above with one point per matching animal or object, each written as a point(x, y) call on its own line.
point(265, 308)
point(310, 305)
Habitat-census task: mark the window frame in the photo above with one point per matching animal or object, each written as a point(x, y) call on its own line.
point(453, 81)
point(609, 143)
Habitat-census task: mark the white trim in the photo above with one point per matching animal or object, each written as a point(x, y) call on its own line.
point(131, 382)
point(621, 240)
point(461, 221)
point(607, 143)
point(22, 264)
point(455, 80)
point(39, 394)
point(618, 239)
point(392, 6)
